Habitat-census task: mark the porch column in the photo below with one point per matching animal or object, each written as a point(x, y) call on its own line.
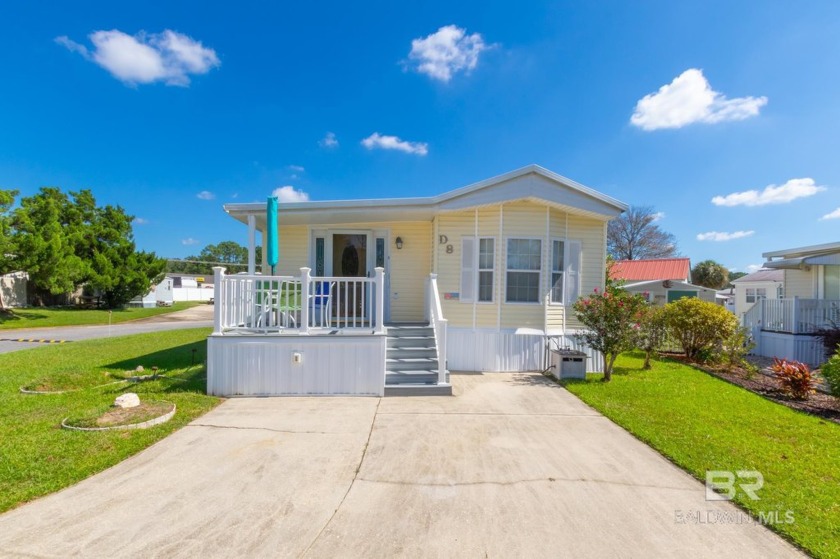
point(252, 244)
point(218, 300)
point(304, 300)
point(380, 300)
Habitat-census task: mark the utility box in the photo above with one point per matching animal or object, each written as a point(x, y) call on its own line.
point(568, 363)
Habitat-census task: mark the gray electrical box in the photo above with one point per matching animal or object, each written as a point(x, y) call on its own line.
point(568, 363)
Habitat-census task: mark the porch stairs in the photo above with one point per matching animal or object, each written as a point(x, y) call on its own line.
point(411, 364)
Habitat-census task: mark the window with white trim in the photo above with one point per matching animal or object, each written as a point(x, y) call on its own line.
point(478, 258)
point(760, 293)
point(524, 265)
point(750, 295)
point(565, 271)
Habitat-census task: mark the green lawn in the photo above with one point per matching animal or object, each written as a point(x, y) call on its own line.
point(703, 423)
point(38, 457)
point(47, 317)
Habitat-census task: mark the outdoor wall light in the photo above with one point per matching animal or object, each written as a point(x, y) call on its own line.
point(399, 243)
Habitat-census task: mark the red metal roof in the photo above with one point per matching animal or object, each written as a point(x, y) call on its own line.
point(660, 269)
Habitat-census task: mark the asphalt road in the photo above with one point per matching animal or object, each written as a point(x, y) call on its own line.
point(196, 317)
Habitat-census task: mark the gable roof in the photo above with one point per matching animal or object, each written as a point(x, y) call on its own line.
point(675, 269)
point(532, 183)
point(762, 275)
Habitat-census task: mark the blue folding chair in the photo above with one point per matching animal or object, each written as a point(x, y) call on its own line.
point(321, 304)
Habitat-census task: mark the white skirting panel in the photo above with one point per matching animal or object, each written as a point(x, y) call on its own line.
point(257, 365)
point(807, 349)
point(505, 351)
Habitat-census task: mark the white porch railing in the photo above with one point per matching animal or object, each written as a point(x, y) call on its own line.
point(437, 322)
point(297, 304)
point(793, 316)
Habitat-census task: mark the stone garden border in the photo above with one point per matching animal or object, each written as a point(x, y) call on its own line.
point(144, 425)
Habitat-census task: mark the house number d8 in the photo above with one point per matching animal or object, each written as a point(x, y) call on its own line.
point(449, 249)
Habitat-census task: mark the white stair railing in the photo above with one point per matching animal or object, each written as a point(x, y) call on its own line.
point(439, 324)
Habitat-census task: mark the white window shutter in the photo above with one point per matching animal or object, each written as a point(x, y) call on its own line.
point(572, 276)
point(469, 258)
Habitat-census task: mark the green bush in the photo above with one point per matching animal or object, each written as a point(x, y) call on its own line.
point(736, 348)
point(698, 326)
point(830, 371)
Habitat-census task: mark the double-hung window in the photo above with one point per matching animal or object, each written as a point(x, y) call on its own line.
point(477, 269)
point(750, 295)
point(524, 258)
point(565, 271)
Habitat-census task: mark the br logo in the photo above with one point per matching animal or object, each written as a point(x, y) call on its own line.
point(721, 485)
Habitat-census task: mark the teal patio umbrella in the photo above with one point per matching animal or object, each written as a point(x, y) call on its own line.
point(272, 240)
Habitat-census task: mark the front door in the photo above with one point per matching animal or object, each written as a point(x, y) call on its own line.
point(350, 258)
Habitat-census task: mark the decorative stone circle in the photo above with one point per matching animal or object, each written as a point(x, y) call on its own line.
point(144, 425)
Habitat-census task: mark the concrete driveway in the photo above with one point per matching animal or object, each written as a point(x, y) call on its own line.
point(511, 466)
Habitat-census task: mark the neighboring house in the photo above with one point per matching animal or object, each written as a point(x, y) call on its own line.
point(784, 327)
point(632, 271)
point(762, 284)
point(726, 298)
point(396, 291)
point(660, 292)
point(191, 287)
point(160, 294)
point(662, 280)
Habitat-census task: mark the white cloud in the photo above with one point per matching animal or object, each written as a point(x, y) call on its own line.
point(376, 140)
point(297, 168)
point(205, 195)
point(772, 194)
point(689, 99)
point(719, 236)
point(189, 241)
point(140, 221)
point(832, 215)
point(447, 51)
point(753, 268)
point(328, 141)
point(168, 57)
point(290, 194)
point(658, 216)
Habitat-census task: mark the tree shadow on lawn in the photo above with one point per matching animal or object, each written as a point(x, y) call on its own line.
point(179, 357)
point(11, 316)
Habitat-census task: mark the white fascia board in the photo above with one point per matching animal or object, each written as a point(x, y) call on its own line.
point(447, 200)
point(802, 251)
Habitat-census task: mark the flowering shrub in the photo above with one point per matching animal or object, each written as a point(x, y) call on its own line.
point(610, 319)
point(794, 377)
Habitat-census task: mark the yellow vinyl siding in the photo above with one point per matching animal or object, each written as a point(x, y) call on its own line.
point(294, 250)
point(800, 283)
point(410, 268)
point(520, 219)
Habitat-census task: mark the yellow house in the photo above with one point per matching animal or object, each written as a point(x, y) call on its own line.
point(498, 263)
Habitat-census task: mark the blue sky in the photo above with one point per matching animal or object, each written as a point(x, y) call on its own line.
point(171, 110)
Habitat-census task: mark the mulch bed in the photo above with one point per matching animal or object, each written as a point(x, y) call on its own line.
point(819, 404)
